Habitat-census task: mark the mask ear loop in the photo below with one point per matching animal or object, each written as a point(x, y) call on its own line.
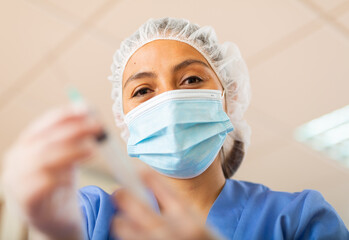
point(222, 155)
point(222, 158)
point(223, 98)
point(223, 94)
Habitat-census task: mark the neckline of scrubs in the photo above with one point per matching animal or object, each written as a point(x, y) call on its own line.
point(226, 210)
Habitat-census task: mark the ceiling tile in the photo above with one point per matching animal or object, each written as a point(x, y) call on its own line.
point(266, 134)
point(327, 4)
point(305, 81)
point(30, 35)
point(344, 19)
point(79, 8)
point(251, 24)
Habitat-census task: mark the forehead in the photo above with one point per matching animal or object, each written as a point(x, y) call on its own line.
point(160, 53)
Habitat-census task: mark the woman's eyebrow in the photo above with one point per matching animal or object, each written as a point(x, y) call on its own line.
point(188, 62)
point(176, 68)
point(140, 75)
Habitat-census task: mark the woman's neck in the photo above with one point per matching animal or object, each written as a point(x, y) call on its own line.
point(201, 191)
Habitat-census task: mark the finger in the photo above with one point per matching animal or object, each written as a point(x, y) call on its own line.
point(72, 131)
point(66, 144)
point(136, 210)
point(45, 157)
point(124, 229)
point(68, 154)
point(168, 200)
point(52, 118)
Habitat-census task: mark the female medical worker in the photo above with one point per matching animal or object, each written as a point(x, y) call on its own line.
point(179, 97)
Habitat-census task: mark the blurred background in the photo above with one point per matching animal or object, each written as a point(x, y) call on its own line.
point(297, 52)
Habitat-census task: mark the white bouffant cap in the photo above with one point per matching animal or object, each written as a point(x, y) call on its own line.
point(225, 59)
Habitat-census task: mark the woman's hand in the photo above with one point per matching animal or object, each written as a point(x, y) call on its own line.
point(38, 171)
point(178, 221)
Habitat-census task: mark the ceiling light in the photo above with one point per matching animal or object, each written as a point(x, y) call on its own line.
point(329, 134)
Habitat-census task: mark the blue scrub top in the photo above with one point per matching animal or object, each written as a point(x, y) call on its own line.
point(242, 210)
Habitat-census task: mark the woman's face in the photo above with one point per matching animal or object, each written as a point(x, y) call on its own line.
point(161, 66)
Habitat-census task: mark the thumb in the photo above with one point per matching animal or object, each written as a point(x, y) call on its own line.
point(168, 200)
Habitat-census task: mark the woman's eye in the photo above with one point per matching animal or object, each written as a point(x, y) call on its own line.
point(192, 80)
point(141, 92)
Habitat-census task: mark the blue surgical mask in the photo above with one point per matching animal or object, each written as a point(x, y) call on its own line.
point(178, 133)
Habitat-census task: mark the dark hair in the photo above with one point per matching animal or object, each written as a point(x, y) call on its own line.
point(232, 161)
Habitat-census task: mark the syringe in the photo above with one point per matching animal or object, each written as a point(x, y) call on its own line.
point(121, 167)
